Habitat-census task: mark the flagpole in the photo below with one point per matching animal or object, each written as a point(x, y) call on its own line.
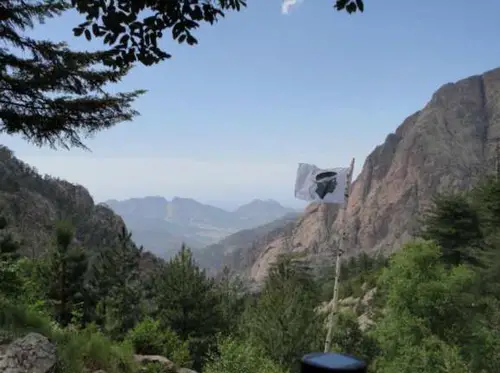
point(340, 251)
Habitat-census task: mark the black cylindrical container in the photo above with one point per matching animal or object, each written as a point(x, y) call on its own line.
point(319, 362)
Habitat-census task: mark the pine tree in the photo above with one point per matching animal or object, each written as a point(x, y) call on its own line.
point(116, 286)
point(10, 281)
point(189, 304)
point(454, 224)
point(231, 291)
point(50, 94)
point(284, 321)
point(65, 280)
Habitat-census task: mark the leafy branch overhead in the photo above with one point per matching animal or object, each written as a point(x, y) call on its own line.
point(134, 36)
point(50, 94)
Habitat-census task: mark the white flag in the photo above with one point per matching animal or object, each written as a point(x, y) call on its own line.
point(315, 184)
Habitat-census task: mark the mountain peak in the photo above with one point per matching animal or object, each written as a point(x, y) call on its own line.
point(187, 220)
point(445, 146)
point(258, 201)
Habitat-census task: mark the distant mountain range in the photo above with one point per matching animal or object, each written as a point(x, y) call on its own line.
point(227, 251)
point(161, 226)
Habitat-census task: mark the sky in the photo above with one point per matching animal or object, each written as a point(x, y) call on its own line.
point(228, 120)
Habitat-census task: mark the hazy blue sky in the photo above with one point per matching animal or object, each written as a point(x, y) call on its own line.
point(229, 119)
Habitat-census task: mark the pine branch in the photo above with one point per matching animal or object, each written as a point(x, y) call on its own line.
point(50, 94)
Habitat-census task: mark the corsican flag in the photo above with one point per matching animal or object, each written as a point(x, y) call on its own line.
point(315, 184)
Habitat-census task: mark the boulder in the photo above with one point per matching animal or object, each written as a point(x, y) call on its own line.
point(185, 370)
point(144, 359)
point(32, 353)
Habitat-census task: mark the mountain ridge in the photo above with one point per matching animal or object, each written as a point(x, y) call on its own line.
point(162, 226)
point(446, 146)
point(33, 203)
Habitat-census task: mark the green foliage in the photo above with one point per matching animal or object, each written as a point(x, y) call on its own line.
point(50, 94)
point(436, 307)
point(454, 225)
point(90, 350)
point(10, 281)
point(348, 338)
point(77, 351)
point(236, 356)
point(433, 315)
point(485, 198)
point(16, 320)
point(65, 276)
point(231, 291)
point(115, 287)
point(284, 322)
point(123, 25)
point(357, 274)
point(188, 303)
point(149, 338)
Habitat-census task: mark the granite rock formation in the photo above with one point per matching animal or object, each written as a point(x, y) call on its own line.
point(32, 204)
point(446, 146)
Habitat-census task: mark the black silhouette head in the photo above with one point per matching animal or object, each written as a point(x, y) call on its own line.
point(322, 176)
point(326, 182)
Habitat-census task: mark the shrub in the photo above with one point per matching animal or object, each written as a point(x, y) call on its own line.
point(78, 351)
point(16, 320)
point(237, 356)
point(90, 350)
point(148, 338)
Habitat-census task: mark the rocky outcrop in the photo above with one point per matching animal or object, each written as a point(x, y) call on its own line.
point(165, 363)
point(33, 203)
point(362, 307)
point(446, 146)
point(33, 353)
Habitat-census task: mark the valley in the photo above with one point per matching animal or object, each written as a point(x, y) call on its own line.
point(101, 273)
point(162, 226)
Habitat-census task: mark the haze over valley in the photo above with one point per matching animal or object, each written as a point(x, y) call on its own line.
point(161, 226)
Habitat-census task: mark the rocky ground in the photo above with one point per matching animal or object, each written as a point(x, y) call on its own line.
point(35, 353)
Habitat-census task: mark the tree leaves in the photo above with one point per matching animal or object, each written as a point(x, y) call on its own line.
point(350, 6)
point(114, 20)
point(58, 97)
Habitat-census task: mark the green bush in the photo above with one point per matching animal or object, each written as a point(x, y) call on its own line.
point(148, 338)
point(90, 350)
point(236, 356)
point(17, 320)
point(78, 351)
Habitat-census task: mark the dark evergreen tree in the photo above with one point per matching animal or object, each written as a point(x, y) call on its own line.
point(485, 199)
point(188, 303)
point(10, 281)
point(454, 224)
point(231, 291)
point(116, 288)
point(50, 94)
point(284, 321)
point(65, 278)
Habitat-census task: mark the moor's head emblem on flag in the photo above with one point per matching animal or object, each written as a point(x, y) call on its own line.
point(326, 182)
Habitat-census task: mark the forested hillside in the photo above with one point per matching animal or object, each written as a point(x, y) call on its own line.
point(78, 296)
point(433, 306)
point(33, 203)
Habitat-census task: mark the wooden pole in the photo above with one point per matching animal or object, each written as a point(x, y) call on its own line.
point(340, 251)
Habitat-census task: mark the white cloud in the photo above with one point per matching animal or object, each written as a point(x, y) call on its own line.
point(287, 4)
point(125, 177)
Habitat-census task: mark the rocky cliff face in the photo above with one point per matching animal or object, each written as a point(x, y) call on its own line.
point(33, 203)
point(448, 145)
